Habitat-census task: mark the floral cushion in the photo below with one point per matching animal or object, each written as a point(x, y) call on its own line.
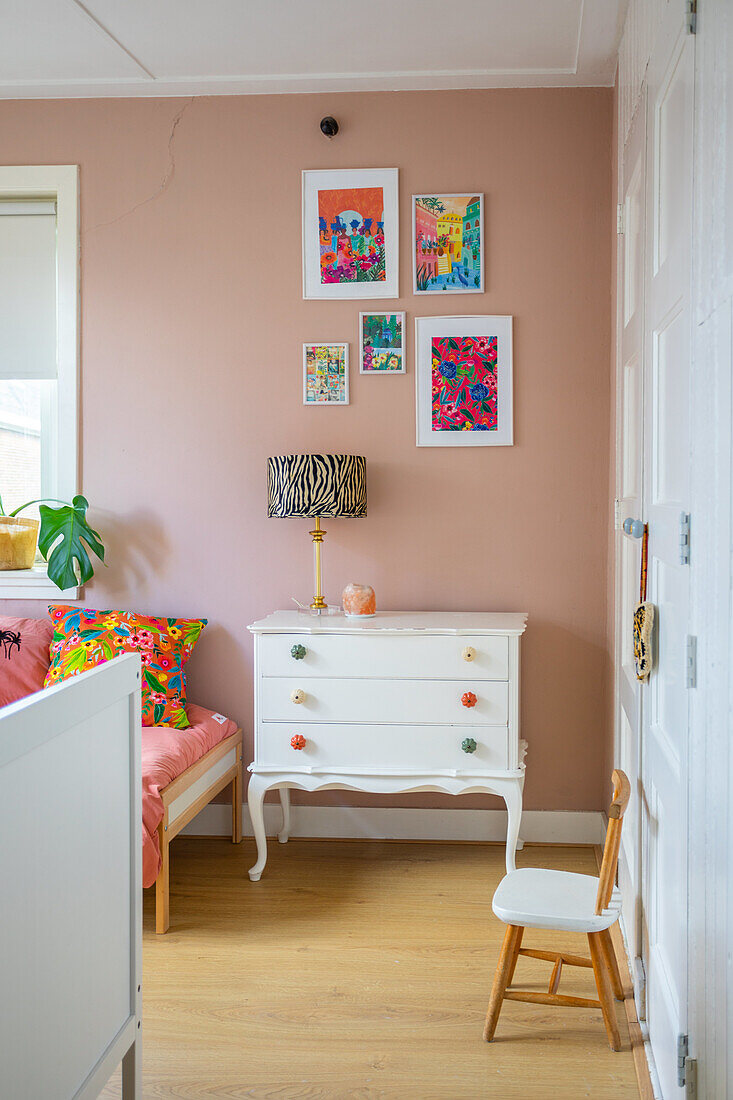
point(83, 638)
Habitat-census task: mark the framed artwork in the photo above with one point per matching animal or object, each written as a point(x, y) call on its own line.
point(448, 244)
point(381, 343)
point(325, 374)
point(463, 379)
point(351, 233)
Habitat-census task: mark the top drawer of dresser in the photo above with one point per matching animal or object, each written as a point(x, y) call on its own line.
point(385, 656)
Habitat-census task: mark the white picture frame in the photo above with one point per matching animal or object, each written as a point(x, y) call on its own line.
point(384, 313)
point(497, 331)
point(359, 245)
point(326, 401)
point(468, 270)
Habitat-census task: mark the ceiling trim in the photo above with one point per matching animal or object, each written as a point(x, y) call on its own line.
point(424, 80)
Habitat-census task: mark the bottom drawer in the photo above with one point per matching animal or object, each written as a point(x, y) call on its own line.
point(383, 748)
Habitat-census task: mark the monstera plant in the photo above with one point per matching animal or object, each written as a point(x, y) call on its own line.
point(64, 539)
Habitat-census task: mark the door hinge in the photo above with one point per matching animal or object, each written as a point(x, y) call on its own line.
point(691, 662)
point(686, 1067)
point(683, 1049)
point(619, 218)
point(640, 987)
point(684, 538)
point(617, 514)
point(691, 16)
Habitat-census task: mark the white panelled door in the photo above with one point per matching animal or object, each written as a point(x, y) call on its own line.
point(664, 712)
point(629, 485)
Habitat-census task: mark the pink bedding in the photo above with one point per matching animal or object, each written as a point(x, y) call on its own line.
point(166, 753)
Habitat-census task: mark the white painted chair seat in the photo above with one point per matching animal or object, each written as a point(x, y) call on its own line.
point(535, 897)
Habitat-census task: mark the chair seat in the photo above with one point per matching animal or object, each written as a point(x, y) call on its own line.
point(534, 897)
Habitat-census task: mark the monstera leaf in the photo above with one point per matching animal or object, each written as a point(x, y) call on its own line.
point(66, 530)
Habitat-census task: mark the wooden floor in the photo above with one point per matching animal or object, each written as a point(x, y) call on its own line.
point(358, 969)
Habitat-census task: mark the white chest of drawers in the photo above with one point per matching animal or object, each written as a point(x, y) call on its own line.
point(411, 701)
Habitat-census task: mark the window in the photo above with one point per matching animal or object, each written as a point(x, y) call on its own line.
point(38, 347)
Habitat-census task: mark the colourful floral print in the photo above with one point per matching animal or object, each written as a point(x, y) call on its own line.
point(84, 638)
point(351, 235)
point(464, 384)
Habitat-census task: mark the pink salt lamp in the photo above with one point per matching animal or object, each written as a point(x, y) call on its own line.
point(359, 600)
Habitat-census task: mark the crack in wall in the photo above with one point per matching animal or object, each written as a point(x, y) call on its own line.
point(164, 183)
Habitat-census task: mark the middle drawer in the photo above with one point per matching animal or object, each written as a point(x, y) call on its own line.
point(438, 702)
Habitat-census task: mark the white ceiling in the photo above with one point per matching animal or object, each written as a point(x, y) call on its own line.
point(205, 47)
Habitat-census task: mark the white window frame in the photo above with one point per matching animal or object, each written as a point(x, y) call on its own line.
point(59, 182)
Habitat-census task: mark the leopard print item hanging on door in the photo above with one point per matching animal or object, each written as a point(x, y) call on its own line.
point(643, 618)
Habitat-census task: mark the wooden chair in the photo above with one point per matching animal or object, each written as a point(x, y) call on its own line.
point(533, 897)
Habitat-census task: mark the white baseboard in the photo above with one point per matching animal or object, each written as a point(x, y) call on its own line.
point(404, 823)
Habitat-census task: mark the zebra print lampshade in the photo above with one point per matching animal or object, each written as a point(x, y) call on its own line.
point(316, 485)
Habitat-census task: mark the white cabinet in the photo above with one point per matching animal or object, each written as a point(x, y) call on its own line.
point(413, 701)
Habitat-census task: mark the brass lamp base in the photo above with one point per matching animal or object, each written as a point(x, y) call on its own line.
point(319, 604)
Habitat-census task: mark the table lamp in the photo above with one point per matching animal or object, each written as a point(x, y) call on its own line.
point(316, 487)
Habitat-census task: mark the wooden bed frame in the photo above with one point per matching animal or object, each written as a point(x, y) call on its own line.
point(185, 796)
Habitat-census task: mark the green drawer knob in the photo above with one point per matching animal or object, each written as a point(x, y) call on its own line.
point(298, 652)
point(468, 744)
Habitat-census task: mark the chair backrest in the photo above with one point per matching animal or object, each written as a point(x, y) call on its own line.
point(616, 811)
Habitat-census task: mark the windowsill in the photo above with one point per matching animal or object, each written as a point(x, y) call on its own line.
point(32, 584)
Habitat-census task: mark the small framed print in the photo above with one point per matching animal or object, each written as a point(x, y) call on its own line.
point(381, 343)
point(448, 244)
point(325, 374)
point(463, 380)
point(351, 233)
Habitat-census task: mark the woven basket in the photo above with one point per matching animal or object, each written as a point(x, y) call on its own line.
point(18, 541)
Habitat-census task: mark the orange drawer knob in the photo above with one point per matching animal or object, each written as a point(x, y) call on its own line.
point(468, 699)
point(298, 741)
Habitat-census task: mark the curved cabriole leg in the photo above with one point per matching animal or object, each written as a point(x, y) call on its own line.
point(255, 800)
point(513, 798)
point(284, 835)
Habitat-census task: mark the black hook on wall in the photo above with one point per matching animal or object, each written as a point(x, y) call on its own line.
point(329, 126)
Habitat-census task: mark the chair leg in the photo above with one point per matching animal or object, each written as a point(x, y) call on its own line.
point(162, 884)
point(612, 964)
point(507, 960)
point(605, 990)
point(513, 967)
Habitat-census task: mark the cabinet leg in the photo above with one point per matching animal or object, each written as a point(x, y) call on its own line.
point(132, 1071)
point(513, 799)
point(284, 835)
point(255, 800)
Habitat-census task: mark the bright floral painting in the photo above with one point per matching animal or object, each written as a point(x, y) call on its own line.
point(464, 383)
point(351, 235)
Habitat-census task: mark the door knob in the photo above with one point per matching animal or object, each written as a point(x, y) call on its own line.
point(297, 696)
point(468, 699)
point(633, 527)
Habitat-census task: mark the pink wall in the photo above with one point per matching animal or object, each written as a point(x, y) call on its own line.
point(192, 325)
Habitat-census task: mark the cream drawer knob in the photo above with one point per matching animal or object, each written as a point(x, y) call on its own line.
point(469, 653)
point(297, 696)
